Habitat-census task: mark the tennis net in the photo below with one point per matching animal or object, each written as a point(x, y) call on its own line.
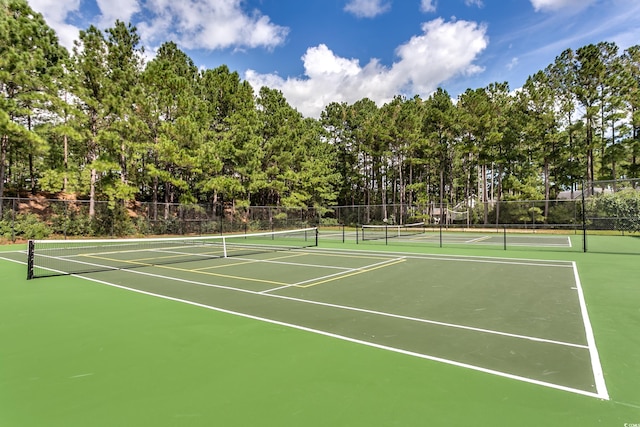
point(61, 257)
point(377, 232)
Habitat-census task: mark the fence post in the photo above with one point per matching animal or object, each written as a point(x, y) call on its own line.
point(13, 221)
point(584, 221)
point(505, 237)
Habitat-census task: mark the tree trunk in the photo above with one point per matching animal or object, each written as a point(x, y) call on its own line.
point(383, 190)
point(166, 200)
point(485, 195)
point(499, 197)
point(32, 174)
point(65, 182)
point(123, 164)
point(547, 189)
point(4, 142)
point(92, 193)
point(154, 198)
point(93, 155)
point(442, 211)
point(401, 189)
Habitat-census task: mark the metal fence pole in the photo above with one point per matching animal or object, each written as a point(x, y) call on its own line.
point(505, 237)
point(584, 221)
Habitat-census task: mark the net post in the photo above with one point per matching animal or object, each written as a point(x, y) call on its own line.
point(386, 235)
point(505, 236)
point(358, 233)
point(30, 256)
point(317, 232)
point(440, 233)
point(224, 246)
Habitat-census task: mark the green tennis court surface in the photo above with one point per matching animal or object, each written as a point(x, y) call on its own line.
point(395, 320)
point(460, 237)
point(493, 238)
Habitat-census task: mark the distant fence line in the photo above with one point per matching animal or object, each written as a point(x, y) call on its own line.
point(71, 217)
point(526, 213)
point(607, 205)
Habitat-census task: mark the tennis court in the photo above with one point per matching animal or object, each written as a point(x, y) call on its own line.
point(419, 234)
point(521, 319)
point(494, 238)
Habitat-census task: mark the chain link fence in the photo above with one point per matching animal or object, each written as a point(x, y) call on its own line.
point(604, 208)
point(36, 217)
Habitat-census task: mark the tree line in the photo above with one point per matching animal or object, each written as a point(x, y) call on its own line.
point(103, 123)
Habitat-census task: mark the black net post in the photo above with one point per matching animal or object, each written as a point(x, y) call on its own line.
point(504, 228)
point(440, 233)
point(30, 256)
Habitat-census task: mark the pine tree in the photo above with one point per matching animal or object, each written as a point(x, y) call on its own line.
point(30, 67)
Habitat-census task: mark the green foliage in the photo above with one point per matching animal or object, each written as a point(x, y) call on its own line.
point(52, 181)
point(565, 213)
point(622, 208)
point(30, 72)
point(119, 129)
point(70, 220)
point(329, 222)
point(23, 226)
point(113, 221)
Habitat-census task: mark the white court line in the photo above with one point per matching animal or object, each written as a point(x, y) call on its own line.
point(597, 369)
point(341, 273)
point(293, 264)
point(598, 374)
point(13, 260)
point(479, 239)
point(446, 257)
point(357, 341)
point(379, 313)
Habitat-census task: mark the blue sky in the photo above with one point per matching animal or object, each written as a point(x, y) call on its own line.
point(320, 51)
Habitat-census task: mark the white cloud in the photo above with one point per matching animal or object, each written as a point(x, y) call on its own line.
point(428, 6)
point(55, 13)
point(553, 5)
point(478, 3)
point(193, 24)
point(513, 63)
point(116, 9)
point(209, 24)
point(444, 50)
point(367, 8)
